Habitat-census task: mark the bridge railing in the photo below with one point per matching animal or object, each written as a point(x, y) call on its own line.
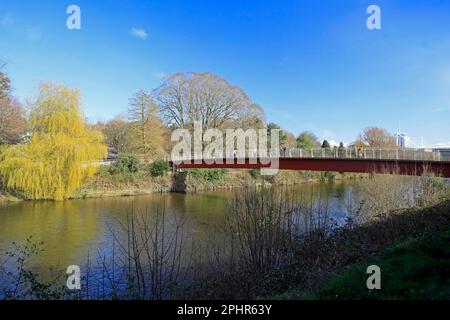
point(340, 153)
point(366, 153)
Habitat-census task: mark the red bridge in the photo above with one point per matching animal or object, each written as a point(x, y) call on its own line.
point(397, 161)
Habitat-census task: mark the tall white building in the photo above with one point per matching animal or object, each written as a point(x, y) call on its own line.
point(403, 141)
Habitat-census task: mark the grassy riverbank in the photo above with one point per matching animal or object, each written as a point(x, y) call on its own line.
point(411, 249)
point(105, 184)
point(277, 244)
point(7, 197)
point(417, 269)
point(108, 185)
point(410, 246)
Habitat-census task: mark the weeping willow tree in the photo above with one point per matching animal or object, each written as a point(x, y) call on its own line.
point(62, 150)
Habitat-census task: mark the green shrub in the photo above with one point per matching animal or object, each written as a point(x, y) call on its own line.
point(125, 164)
point(255, 173)
point(159, 168)
point(104, 171)
point(209, 175)
point(327, 176)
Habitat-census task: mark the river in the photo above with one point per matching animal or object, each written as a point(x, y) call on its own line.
point(73, 230)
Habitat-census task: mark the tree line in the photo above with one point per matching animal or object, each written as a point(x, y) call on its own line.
point(47, 145)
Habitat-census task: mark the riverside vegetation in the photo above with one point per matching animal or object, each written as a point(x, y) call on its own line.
point(157, 178)
point(273, 244)
point(49, 152)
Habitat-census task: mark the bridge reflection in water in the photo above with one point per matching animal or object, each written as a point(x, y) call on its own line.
point(389, 161)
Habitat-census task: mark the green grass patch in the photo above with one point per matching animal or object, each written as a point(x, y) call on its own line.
point(412, 270)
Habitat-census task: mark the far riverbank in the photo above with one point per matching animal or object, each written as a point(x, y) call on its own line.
point(107, 185)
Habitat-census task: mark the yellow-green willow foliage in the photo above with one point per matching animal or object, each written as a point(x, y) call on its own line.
point(62, 150)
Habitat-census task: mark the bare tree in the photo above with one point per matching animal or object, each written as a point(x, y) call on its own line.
point(377, 138)
point(147, 131)
point(12, 120)
point(117, 134)
point(207, 98)
point(359, 144)
point(5, 82)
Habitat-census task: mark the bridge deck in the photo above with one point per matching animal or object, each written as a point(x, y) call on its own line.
point(356, 165)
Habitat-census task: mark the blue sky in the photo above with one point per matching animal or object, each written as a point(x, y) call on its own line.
point(312, 65)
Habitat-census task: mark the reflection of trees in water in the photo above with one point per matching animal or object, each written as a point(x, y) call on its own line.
point(66, 228)
point(144, 260)
point(340, 190)
point(74, 230)
point(157, 247)
point(70, 229)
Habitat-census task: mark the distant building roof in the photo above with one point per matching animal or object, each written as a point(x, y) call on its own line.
point(439, 146)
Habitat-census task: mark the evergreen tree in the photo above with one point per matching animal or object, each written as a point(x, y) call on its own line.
point(283, 135)
point(341, 150)
point(326, 145)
